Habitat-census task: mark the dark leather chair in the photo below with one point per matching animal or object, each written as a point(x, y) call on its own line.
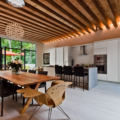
point(79, 72)
point(7, 89)
point(44, 83)
point(68, 72)
point(24, 70)
point(58, 70)
point(32, 71)
point(32, 86)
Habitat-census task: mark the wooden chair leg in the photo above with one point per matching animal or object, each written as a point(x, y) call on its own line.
point(2, 107)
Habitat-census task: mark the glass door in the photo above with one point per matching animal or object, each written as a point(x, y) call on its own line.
point(29, 59)
point(3, 58)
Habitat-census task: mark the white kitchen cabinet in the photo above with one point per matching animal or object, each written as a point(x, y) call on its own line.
point(100, 48)
point(67, 57)
point(102, 77)
point(59, 56)
point(100, 51)
point(112, 60)
point(52, 56)
point(101, 44)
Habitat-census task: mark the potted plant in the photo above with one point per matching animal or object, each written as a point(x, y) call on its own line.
point(86, 66)
point(16, 65)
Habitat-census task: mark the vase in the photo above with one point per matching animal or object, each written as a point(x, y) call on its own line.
point(16, 72)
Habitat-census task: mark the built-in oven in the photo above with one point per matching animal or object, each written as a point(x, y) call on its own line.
point(100, 61)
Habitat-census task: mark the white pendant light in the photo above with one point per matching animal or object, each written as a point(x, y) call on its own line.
point(16, 3)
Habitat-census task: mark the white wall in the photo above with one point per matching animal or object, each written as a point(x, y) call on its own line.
point(85, 59)
point(39, 54)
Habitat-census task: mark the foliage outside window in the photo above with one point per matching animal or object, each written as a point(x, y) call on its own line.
point(16, 47)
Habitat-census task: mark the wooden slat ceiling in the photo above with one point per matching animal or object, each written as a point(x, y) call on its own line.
point(50, 20)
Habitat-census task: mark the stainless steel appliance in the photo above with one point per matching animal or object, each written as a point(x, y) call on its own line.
point(100, 61)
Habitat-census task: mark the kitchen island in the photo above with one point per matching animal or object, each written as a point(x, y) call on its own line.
point(92, 75)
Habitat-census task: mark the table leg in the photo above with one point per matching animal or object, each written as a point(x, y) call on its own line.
point(29, 100)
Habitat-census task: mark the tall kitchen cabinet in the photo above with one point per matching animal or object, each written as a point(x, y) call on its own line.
point(100, 48)
point(112, 49)
point(52, 56)
point(67, 55)
point(59, 56)
point(113, 60)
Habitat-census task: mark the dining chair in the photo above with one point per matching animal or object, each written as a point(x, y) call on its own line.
point(32, 71)
point(44, 83)
point(53, 98)
point(24, 70)
point(32, 86)
point(7, 89)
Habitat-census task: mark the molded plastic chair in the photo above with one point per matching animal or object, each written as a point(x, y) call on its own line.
point(53, 98)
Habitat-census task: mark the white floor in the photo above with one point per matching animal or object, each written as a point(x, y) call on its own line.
point(100, 103)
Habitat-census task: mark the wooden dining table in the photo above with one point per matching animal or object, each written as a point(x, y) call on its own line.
point(26, 79)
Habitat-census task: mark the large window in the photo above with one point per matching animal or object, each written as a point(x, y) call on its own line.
point(17, 49)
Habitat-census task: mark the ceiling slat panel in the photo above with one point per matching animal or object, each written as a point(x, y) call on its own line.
point(108, 11)
point(95, 10)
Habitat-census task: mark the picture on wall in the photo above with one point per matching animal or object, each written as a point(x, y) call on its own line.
point(46, 58)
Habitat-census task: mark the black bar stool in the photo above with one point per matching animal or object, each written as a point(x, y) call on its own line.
point(79, 72)
point(68, 72)
point(58, 70)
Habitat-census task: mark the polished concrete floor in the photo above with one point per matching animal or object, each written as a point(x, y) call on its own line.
point(100, 103)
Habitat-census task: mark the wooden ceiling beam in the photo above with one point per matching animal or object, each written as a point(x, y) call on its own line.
point(106, 6)
point(79, 16)
point(3, 33)
point(31, 21)
point(27, 34)
point(50, 4)
point(21, 13)
point(41, 8)
point(38, 34)
point(84, 11)
point(25, 23)
point(117, 3)
point(37, 13)
point(49, 20)
point(95, 10)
